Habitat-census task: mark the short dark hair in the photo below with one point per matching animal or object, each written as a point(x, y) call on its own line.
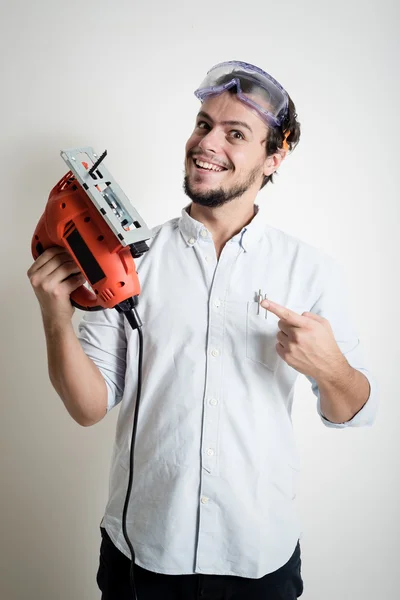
point(275, 135)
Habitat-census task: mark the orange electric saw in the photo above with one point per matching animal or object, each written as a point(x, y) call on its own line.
point(89, 214)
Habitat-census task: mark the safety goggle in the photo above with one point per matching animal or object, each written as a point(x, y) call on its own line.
point(225, 75)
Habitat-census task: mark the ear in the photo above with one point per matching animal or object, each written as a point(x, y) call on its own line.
point(273, 162)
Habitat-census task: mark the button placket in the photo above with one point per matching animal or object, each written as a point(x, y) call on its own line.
point(212, 404)
point(214, 360)
point(207, 248)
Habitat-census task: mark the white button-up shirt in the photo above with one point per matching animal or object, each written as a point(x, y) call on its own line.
point(216, 463)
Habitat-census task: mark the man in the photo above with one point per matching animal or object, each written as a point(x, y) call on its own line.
point(212, 511)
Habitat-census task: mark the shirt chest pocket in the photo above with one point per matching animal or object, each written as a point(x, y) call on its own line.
point(261, 331)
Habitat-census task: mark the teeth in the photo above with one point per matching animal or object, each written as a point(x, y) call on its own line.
point(205, 165)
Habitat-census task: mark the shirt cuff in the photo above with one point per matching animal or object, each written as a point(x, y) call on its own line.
point(365, 417)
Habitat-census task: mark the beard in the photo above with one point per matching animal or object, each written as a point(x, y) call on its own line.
point(219, 196)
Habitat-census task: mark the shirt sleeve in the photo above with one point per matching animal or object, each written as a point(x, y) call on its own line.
point(102, 337)
point(334, 304)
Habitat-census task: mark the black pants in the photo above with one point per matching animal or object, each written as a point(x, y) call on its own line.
point(113, 580)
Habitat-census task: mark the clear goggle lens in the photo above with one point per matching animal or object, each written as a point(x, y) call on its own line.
point(224, 76)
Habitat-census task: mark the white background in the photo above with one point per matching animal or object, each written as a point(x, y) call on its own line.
point(120, 75)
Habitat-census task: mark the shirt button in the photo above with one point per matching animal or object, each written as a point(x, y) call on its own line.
point(204, 233)
point(210, 452)
point(204, 499)
point(191, 240)
point(215, 352)
point(213, 401)
point(217, 303)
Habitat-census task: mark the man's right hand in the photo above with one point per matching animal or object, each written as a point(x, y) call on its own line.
point(54, 276)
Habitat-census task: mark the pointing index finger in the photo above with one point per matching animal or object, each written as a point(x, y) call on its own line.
point(290, 316)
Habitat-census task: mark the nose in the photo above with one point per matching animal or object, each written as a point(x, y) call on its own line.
point(212, 141)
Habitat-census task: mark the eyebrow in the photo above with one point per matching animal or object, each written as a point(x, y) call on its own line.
point(234, 123)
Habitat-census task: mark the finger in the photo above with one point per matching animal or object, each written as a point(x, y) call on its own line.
point(44, 258)
point(285, 327)
point(280, 350)
point(51, 265)
point(65, 270)
point(290, 316)
point(49, 282)
point(73, 282)
point(75, 271)
point(282, 338)
point(311, 315)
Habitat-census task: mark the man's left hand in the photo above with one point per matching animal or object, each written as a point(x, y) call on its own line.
point(306, 342)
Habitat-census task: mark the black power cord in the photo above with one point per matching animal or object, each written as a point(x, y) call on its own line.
point(127, 307)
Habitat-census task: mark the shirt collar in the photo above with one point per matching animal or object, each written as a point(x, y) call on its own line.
point(249, 236)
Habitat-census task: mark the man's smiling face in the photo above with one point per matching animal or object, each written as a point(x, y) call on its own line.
point(229, 143)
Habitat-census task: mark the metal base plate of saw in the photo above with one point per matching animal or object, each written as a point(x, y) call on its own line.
point(106, 195)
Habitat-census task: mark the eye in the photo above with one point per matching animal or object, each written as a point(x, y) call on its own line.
point(234, 131)
point(239, 132)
